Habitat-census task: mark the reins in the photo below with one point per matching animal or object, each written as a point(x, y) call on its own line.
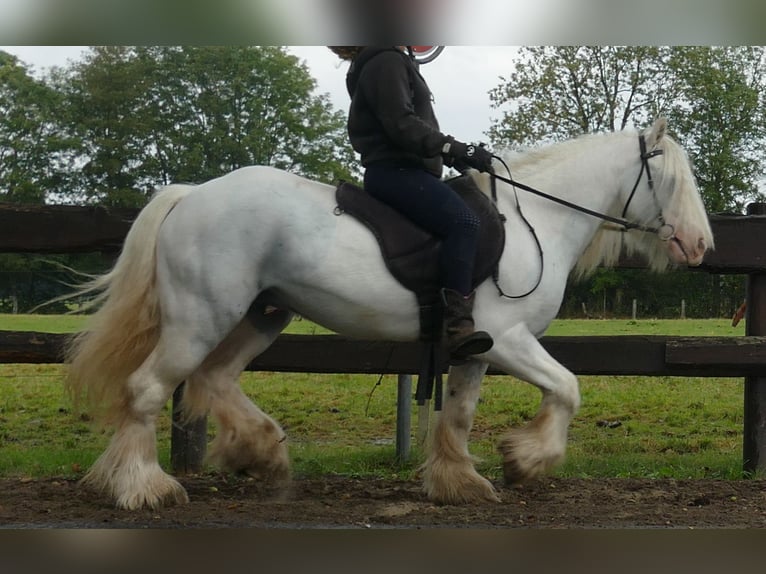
point(664, 231)
point(621, 221)
point(496, 270)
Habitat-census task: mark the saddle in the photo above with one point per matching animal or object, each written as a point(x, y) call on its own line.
point(411, 255)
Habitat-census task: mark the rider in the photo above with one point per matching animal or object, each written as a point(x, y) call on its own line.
point(392, 125)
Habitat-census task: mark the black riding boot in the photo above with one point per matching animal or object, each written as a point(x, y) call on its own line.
point(462, 340)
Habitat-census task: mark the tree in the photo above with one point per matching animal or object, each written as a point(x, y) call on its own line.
point(556, 93)
point(155, 115)
point(31, 137)
point(719, 112)
point(104, 94)
point(225, 107)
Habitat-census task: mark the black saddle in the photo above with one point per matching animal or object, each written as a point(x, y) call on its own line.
point(411, 255)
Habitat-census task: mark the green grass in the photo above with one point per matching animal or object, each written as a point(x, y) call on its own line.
point(345, 424)
point(674, 327)
point(73, 323)
point(42, 323)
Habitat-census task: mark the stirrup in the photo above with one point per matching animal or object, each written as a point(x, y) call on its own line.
point(476, 343)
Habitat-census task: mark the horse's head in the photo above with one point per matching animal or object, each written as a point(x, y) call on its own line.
point(665, 196)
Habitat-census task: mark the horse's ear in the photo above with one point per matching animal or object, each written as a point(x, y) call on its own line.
point(656, 132)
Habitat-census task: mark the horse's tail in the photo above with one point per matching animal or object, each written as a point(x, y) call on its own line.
point(125, 328)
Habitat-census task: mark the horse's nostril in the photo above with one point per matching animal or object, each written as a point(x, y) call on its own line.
point(701, 245)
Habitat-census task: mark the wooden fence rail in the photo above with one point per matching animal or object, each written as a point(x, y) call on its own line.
point(638, 355)
point(740, 249)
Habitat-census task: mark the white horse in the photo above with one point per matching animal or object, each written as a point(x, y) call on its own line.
point(194, 292)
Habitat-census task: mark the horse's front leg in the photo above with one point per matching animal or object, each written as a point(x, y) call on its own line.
point(449, 474)
point(540, 446)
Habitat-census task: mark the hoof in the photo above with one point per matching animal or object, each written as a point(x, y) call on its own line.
point(513, 474)
point(271, 468)
point(457, 485)
point(175, 494)
point(275, 476)
point(525, 460)
point(152, 488)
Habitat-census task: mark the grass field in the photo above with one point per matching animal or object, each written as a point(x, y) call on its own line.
point(345, 424)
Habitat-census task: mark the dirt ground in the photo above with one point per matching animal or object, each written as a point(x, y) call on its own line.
point(219, 501)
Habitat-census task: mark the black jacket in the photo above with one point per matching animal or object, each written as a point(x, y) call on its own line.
point(391, 120)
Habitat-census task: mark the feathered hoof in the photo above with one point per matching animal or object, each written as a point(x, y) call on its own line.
point(513, 473)
point(457, 484)
point(173, 495)
point(155, 488)
point(272, 468)
point(275, 476)
point(524, 460)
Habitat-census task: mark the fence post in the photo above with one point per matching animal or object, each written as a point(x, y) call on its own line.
point(403, 417)
point(754, 438)
point(188, 439)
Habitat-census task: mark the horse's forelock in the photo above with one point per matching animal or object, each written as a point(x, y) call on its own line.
point(685, 203)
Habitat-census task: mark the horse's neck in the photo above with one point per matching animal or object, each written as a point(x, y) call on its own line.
point(590, 178)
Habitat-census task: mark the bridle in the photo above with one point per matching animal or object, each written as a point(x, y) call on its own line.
point(664, 231)
point(645, 157)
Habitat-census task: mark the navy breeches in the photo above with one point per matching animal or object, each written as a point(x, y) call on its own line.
point(432, 205)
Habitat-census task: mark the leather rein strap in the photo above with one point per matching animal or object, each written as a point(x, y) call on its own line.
point(621, 221)
point(664, 231)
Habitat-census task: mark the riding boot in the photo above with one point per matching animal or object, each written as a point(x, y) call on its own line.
point(462, 340)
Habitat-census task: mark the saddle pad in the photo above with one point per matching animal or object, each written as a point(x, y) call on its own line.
point(410, 253)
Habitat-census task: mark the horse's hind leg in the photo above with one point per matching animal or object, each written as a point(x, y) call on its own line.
point(129, 470)
point(449, 475)
point(247, 440)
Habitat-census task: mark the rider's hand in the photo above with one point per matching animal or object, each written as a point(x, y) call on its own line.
point(460, 154)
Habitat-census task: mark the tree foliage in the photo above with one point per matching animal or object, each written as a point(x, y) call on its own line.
point(148, 116)
point(556, 93)
point(718, 112)
point(31, 139)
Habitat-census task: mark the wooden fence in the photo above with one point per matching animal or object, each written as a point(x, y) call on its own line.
point(740, 249)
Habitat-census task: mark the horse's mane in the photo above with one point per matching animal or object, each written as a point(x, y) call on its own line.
point(608, 245)
point(531, 159)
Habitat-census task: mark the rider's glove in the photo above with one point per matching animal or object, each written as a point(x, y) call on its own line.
point(459, 154)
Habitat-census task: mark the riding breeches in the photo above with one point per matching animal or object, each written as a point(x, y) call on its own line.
point(433, 206)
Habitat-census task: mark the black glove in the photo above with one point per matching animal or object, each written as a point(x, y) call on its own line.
point(459, 154)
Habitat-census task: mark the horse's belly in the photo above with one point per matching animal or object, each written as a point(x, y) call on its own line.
point(391, 318)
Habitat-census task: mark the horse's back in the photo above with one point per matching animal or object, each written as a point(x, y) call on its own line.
point(263, 186)
point(251, 196)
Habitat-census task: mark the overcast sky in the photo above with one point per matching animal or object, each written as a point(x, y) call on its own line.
point(460, 79)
